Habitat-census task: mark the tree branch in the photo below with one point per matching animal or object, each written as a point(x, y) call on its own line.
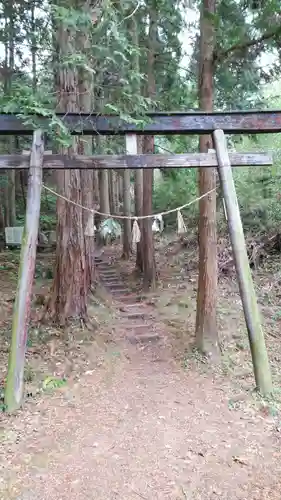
point(222, 55)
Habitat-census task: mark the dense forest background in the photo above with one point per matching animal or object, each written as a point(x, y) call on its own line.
point(136, 357)
point(128, 57)
point(112, 57)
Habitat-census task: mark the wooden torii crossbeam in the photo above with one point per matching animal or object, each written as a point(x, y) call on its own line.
point(172, 123)
point(116, 162)
point(193, 122)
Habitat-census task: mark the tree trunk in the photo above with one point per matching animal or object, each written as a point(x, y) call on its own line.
point(12, 197)
point(206, 323)
point(120, 185)
point(96, 186)
point(12, 185)
point(149, 267)
point(88, 201)
point(33, 47)
point(6, 203)
point(71, 281)
point(85, 146)
point(114, 192)
point(138, 173)
point(104, 192)
point(110, 187)
point(138, 208)
point(126, 211)
point(2, 219)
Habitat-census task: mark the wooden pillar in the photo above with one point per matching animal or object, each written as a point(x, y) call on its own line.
point(138, 191)
point(22, 307)
point(131, 148)
point(246, 286)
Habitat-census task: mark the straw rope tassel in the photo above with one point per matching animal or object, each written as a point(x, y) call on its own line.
point(181, 224)
point(136, 234)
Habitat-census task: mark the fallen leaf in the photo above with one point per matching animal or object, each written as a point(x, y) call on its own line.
point(240, 460)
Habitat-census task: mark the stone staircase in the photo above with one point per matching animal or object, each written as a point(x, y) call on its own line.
point(138, 318)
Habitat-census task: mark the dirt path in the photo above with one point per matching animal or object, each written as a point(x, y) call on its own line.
point(139, 427)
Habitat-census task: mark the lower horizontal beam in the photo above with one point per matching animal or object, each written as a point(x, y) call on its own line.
point(191, 160)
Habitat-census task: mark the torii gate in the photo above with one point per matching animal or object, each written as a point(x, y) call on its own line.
point(217, 124)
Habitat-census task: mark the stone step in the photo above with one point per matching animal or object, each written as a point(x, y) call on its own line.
point(118, 284)
point(106, 277)
point(129, 306)
point(113, 280)
point(109, 276)
point(115, 284)
point(137, 315)
point(120, 291)
point(148, 327)
point(108, 284)
point(124, 298)
point(144, 339)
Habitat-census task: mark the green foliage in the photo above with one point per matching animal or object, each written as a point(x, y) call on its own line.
point(258, 188)
point(174, 191)
point(240, 74)
point(110, 228)
point(47, 222)
point(3, 407)
point(51, 383)
point(106, 57)
point(115, 62)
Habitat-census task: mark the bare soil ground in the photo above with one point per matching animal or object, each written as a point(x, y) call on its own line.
point(109, 419)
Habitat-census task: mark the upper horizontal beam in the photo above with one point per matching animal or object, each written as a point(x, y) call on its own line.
point(234, 122)
point(53, 161)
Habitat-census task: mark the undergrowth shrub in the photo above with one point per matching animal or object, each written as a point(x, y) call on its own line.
point(176, 189)
point(258, 191)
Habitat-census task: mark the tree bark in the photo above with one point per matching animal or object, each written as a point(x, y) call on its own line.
point(110, 186)
point(12, 197)
point(206, 322)
point(33, 47)
point(12, 186)
point(149, 267)
point(138, 207)
point(120, 184)
point(138, 173)
point(71, 280)
point(85, 147)
point(96, 186)
point(6, 199)
point(126, 211)
point(104, 192)
point(114, 192)
point(2, 219)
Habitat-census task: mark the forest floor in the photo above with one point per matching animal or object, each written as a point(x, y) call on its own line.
point(116, 414)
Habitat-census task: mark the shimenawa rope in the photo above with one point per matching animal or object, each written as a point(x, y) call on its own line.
point(131, 217)
point(136, 234)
